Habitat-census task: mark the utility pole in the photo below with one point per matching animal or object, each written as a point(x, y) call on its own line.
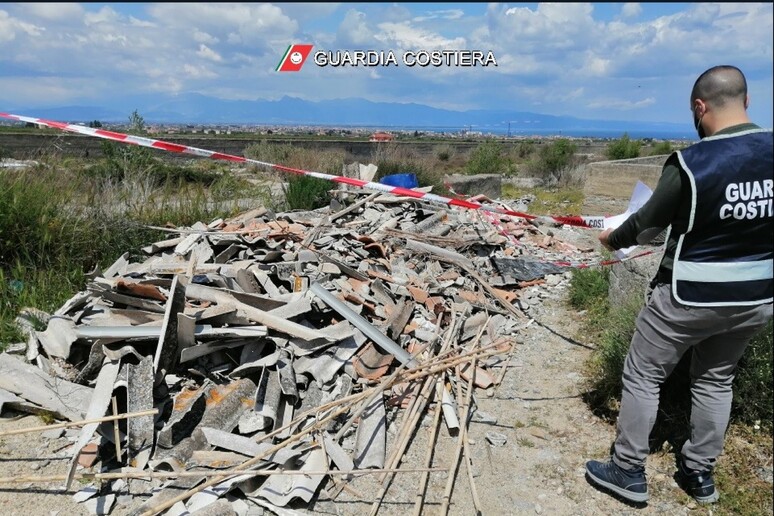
point(509, 129)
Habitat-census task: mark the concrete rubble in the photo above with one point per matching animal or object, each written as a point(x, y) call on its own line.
point(279, 342)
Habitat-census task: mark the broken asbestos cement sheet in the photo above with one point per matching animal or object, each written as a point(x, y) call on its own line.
point(271, 331)
point(61, 397)
point(521, 269)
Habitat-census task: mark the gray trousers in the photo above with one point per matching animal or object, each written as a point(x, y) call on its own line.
point(665, 330)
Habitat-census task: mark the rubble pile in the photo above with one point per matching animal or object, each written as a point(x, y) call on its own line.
point(274, 349)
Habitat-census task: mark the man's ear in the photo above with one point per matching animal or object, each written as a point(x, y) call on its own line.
point(699, 107)
point(746, 101)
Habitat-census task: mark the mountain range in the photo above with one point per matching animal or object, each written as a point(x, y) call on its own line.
point(194, 108)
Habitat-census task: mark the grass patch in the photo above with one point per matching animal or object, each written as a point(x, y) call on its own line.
point(60, 220)
point(23, 287)
point(742, 490)
point(554, 201)
point(307, 193)
point(612, 327)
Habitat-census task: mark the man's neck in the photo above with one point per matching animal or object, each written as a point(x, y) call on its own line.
point(718, 123)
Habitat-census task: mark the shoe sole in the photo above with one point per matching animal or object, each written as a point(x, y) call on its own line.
point(714, 497)
point(632, 497)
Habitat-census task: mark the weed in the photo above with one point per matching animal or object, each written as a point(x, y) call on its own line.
point(589, 288)
point(307, 193)
point(444, 152)
point(624, 148)
point(553, 158)
point(525, 442)
point(742, 490)
point(613, 327)
point(535, 422)
point(47, 418)
point(566, 200)
point(525, 149)
point(661, 148)
point(60, 219)
point(753, 400)
point(487, 158)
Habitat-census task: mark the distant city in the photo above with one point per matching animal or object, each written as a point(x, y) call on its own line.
point(348, 118)
point(372, 133)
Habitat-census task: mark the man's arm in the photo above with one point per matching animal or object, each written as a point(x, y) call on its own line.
point(653, 216)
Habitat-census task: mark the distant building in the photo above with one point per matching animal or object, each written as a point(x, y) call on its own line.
point(381, 137)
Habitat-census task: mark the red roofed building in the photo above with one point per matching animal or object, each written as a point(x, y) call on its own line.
point(381, 137)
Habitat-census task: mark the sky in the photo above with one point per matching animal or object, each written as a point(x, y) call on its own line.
point(607, 61)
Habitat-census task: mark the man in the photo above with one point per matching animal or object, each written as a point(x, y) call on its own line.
point(713, 290)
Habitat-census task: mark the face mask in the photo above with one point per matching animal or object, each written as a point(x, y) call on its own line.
point(697, 125)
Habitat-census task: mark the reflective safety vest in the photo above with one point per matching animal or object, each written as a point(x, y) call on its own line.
point(726, 256)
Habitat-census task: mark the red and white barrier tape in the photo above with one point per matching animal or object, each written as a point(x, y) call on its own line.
point(593, 222)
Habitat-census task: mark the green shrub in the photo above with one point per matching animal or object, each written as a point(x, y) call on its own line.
point(661, 148)
point(554, 160)
point(57, 221)
point(525, 149)
point(624, 148)
point(307, 193)
point(24, 286)
point(588, 288)
point(487, 158)
point(33, 224)
point(612, 327)
point(444, 152)
point(753, 400)
point(278, 153)
point(133, 163)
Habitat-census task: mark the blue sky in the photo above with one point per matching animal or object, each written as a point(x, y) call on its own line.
point(622, 61)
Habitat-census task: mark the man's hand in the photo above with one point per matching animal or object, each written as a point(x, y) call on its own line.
point(603, 239)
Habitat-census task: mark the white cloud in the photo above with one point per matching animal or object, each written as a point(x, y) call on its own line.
point(46, 91)
point(562, 56)
point(135, 22)
point(445, 14)
point(308, 11)
point(253, 25)
point(354, 30)
point(596, 66)
point(10, 26)
point(104, 15)
point(206, 52)
point(550, 25)
point(631, 10)
point(198, 72)
point(405, 36)
point(620, 104)
point(203, 37)
point(53, 11)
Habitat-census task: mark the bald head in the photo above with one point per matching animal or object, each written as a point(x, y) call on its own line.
point(721, 87)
